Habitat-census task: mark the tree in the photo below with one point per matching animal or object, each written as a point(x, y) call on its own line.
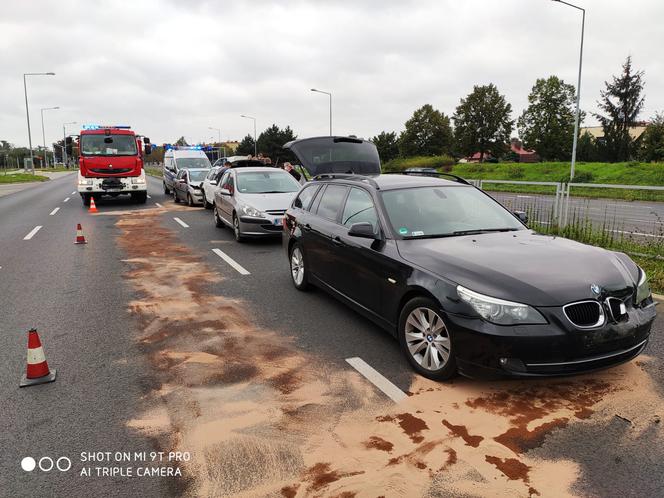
point(181, 142)
point(246, 146)
point(622, 102)
point(428, 133)
point(652, 140)
point(271, 143)
point(387, 145)
point(482, 122)
point(586, 148)
point(547, 124)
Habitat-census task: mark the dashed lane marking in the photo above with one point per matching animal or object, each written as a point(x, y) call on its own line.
point(74, 192)
point(238, 267)
point(67, 199)
point(389, 389)
point(149, 197)
point(158, 205)
point(181, 222)
point(54, 211)
point(32, 232)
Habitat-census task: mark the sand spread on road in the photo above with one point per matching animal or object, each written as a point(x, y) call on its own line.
point(263, 418)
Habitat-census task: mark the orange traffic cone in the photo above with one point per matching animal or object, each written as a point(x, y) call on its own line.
point(37, 371)
point(80, 239)
point(93, 207)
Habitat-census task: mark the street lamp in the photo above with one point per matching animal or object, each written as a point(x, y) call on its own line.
point(44, 134)
point(218, 131)
point(578, 86)
point(64, 143)
point(330, 95)
point(27, 113)
point(249, 117)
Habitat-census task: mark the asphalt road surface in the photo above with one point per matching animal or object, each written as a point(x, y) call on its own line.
point(641, 218)
point(167, 335)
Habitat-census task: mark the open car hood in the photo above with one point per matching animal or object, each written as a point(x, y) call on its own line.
point(322, 155)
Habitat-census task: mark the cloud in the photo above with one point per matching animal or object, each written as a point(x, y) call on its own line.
point(175, 68)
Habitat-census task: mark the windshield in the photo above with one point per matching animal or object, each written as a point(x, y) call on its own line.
point(108, 145)
point(197, 175)
point(264, 182)
point(445, 211)
point(192, 162)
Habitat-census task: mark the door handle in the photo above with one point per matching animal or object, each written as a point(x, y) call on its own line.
point(306, 227)
point(337, 241)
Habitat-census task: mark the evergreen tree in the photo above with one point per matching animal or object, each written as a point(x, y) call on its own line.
point(482, 122)
point(652, 140)
point(271, 143)
point(427, 133)
point(586, 148)
point(621, 102)
point(246, 146)
point(387, 145)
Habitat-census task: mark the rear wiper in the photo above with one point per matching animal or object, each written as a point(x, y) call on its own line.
point(483, 230)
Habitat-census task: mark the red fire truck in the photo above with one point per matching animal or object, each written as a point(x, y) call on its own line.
point(111, 163)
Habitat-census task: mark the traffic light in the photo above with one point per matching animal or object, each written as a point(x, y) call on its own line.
point(68, 146)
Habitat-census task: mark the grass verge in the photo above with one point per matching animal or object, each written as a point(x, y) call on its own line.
point(22, 178)
point(156, 172)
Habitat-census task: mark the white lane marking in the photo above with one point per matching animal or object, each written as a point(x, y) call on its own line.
point(524, 196)
point(389, 389)
point(158, 205)
point(149, 197)
point(636, 233)
point(66, 199)
point(54, 211)
point(181, 222)
point(231, 261)
point(73, 193)
point(32, 232)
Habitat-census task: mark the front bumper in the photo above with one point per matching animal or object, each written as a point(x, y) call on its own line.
point(553, 349)
point(112, 185)
point(269, 225)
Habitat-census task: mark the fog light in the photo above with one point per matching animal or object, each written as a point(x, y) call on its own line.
point(503, 361)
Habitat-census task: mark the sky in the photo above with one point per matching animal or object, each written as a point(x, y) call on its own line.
point(174, 68)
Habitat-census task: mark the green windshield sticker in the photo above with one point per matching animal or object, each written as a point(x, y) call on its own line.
point(403, 231)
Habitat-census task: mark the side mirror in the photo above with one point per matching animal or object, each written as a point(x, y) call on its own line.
point(522, 215)
point(147, 148)
point(224, 191)
point(364, 230)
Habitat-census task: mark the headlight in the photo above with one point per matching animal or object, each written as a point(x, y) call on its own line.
point(251, 211)
point(498, 311)
point(138, 179)
point(643, 287)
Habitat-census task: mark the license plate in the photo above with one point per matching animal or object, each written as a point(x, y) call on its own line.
point(278, 222)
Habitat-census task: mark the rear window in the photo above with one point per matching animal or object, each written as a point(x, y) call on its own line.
point(330, 203)
point(303, 200)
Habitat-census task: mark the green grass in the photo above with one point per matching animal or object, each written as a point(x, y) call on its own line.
point(152, 171)
point(22, 178)
point(654, 268)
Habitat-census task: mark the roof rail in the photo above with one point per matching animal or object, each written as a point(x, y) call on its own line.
point(456, 178)
point(347, 176)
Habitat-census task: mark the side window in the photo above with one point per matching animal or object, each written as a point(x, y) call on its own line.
point(303, 200)
point(181, 174)
point(331, 201)
point(224, 179)
point(359, 208)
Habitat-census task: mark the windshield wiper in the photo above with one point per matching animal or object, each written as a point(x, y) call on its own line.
point(483, 230)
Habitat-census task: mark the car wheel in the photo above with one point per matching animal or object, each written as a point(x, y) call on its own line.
point(206, 204)
point(190, 201)
point(166, 190)
point(176, 199)
point(217, 219)
point(426, 340)
point(297, 268)
point(236, 229)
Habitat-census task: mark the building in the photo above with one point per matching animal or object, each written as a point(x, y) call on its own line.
point(597, 132)
point(523, 155)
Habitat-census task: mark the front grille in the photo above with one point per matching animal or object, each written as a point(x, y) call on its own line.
point(276, 212)
point(111, 183)
point(617, 308)
point(273, 228)
point(112, 171)
point(585, 314)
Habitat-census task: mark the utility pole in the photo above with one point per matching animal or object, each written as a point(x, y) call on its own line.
point(27, 113)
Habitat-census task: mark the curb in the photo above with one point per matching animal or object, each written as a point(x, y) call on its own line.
point(658, 297)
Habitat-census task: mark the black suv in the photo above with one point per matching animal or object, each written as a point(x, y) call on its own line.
point(460, 280)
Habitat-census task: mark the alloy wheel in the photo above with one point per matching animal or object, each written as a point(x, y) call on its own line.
point(427, 339)
point(297, 266)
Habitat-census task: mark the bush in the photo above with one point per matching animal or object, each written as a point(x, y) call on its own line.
point(402, 163)
point(583, 177)
point(515, 171)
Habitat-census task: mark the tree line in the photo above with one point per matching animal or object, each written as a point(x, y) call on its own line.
point(482, 123)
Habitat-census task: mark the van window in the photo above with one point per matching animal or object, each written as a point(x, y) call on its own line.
point(192, 162)
point(330, 203)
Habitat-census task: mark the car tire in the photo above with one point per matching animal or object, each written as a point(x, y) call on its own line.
point(218, 222)
point(176, 199)
point(139, 197)
point(237, 231)
point(190, 201)
point(425, 339)
point(166, 189)
point(298, 267)
point(206, 204)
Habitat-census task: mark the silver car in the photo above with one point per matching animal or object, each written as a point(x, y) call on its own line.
point(188, 185)
point(253, 200)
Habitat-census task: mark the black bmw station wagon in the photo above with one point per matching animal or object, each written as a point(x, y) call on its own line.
point(460, 281)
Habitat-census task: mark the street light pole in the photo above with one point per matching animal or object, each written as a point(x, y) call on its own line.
point(255, 144)
point(43, 133)
point(219, 132)
point(578, 87)
point(64, 142)
point(329, 95)
point(27, 113)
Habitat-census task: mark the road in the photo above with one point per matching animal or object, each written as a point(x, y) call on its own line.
point(641, 218)
point(169, 335)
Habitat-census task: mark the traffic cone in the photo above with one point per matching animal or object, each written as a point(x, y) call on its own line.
point(93, 207)
point(80, 239)
point(37, 371)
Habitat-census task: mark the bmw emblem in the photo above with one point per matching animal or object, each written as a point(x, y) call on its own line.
point(596, 289)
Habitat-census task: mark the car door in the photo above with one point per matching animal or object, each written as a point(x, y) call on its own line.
point(226, 201)
point(180, 186)
point(322, 250)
